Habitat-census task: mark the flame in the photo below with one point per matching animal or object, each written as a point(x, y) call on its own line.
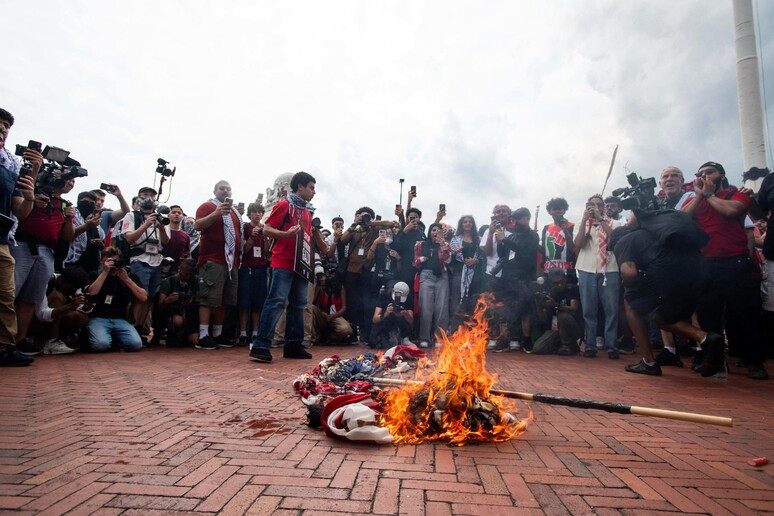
point(453, 402)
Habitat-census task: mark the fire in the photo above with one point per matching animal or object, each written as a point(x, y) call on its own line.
point(453, 402)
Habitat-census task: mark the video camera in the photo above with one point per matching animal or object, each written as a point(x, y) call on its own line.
point(163, 169)
point(639, 194)
point(57, 168)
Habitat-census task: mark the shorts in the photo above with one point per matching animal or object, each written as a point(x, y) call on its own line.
point(216, 287)
point(675, 305)
point(253, 288)
point(149, 276)
point(32, 272)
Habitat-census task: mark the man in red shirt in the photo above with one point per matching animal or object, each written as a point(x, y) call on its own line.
point(219, 248)
point(731, 296)
point(289, 218)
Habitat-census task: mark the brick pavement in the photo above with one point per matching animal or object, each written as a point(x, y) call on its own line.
point(204, 432)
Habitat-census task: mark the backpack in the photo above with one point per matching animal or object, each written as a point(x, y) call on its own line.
point(122, 244)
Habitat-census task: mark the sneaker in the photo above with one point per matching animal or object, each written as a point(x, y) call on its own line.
point(224, 342)
point(28, 347)
point(307, 344)
point(57, 347)
point(698, 358)
point(12, 358)
point(439, 344)
point(757, 372)
point(667, 358)
point(492, 344)
point(600, 343)
point(261, 355)
point(613, 355)
point(627, 346)
point(423, 344)
point(714, 354)
point(590, 353)
point(565, 351)
point(642, 368)
point(296, 351)
point(526, 344)
point(503, 345)
point(278, 344)
point(243, 340)
point(206, 342)
point(514, 345)
point(407, 342)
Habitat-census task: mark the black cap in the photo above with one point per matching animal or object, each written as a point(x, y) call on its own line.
point(521, 212)
point(712, 164)
point(146, 189)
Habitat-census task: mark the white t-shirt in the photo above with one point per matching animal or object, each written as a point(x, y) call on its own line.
point(150, 241)
point(491, 259)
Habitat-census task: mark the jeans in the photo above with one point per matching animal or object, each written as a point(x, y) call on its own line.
point(32, 272)
point(103, 331)
point(285, 284)
point(593, 289)
point(149, 276)
point(433, 303)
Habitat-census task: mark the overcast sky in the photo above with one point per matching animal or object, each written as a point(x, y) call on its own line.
point(475, 103)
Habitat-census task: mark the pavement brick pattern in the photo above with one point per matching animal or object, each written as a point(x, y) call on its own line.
point(169, 431)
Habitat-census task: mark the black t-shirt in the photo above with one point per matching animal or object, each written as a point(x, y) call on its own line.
point(113, 300)
point(564, 298)
point(386, 298)
point(766, 202)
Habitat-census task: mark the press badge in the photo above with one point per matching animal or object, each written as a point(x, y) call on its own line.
point(256, 252)
point(152, 248)
point(360, 252)
point(108, 299)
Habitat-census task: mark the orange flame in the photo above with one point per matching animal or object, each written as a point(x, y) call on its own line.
point(453, 403)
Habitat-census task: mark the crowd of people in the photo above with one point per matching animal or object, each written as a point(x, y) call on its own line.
point(688, 274)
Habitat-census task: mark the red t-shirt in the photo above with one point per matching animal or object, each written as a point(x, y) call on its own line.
point(284, 253)
point(727, 236)
point(255, 254)
point(212, 244)
point(44, 224)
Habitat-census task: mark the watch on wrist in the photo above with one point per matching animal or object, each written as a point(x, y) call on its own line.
point(707, 195)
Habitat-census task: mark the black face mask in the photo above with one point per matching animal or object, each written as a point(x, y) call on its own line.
point(86, 207)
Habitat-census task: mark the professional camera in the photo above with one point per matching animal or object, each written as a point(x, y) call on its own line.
point(365, 218)
point(26, 168)
point(397, 308)
point(317, 223)
point(163, 169)
point(184, 292)
point(162, 214)
point(58, 167)
point(639, 194)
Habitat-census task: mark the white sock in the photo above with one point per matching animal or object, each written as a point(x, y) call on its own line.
point(217, 330)
point(255, 334)
point(648, 363)
point(243, 333)
point(204, 330)
point(671, 349)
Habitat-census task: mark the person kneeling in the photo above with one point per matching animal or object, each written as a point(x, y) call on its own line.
point(393, 318)
point(111, 291)
point(561, 309)
point(330, 305)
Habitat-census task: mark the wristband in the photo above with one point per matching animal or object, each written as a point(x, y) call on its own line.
point(708, 194)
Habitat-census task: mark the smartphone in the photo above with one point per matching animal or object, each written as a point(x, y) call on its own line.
point(414, 189)
point(259, 199)
point(110, 188)
point(33, 145)
point(382, 233)
point(229, 201)
point(241, 206)
point(441, 207)
point(378, 217)
point(398, 206)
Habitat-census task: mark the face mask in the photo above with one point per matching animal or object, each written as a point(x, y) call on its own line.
point(146, 203)
point(86, 208)
point(388, 240)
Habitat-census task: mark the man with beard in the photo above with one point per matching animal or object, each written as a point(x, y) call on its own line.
point(88, 237)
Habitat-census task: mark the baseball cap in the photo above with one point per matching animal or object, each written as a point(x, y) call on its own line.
point(400, 292)
point(717, 166)
point(147, 189)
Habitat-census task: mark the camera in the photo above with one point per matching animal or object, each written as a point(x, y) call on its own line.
point(109, 188)
point(639, 194)
point(90, 298)
point(397, 308)
point(317, 223)
point(184, 291)
point(162, 214)
point(365, 218)
point(26, 168)
point(58, 167)
point(163, 169)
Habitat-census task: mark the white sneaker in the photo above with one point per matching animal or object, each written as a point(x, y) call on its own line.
point(514, 345)
point(439, 344)
point(57, 347)
point(600, 343)
point(423, 344)
point(492, 344)
point(407, 342)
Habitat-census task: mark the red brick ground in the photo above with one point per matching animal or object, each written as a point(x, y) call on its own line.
point(185, 430)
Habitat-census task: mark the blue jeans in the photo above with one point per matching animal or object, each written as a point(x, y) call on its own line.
point(592, 292)
point(285, 284)
point(150, 277)
point(102, 333)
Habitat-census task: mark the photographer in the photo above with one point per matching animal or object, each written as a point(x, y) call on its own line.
point(337, 250)
point(598, 276)
point(329, 308)
point(17, 196)
point(220, 249)
point(146, 236)
point(662, 270)
point(467, 270)
point(404, 243)
point(253, 274)
point(518, 255)
point(50, 221)
point(111, 291)
point(88, 237)
point(432, 258)
point(109, 217)
point(561, 309)
point(393, 317)
point(178, 307)
point(66, 309)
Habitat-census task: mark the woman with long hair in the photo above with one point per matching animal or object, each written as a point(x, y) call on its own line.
point(467, 265)
point(432, 258)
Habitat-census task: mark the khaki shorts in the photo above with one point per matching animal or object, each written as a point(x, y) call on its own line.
point(215, 286)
